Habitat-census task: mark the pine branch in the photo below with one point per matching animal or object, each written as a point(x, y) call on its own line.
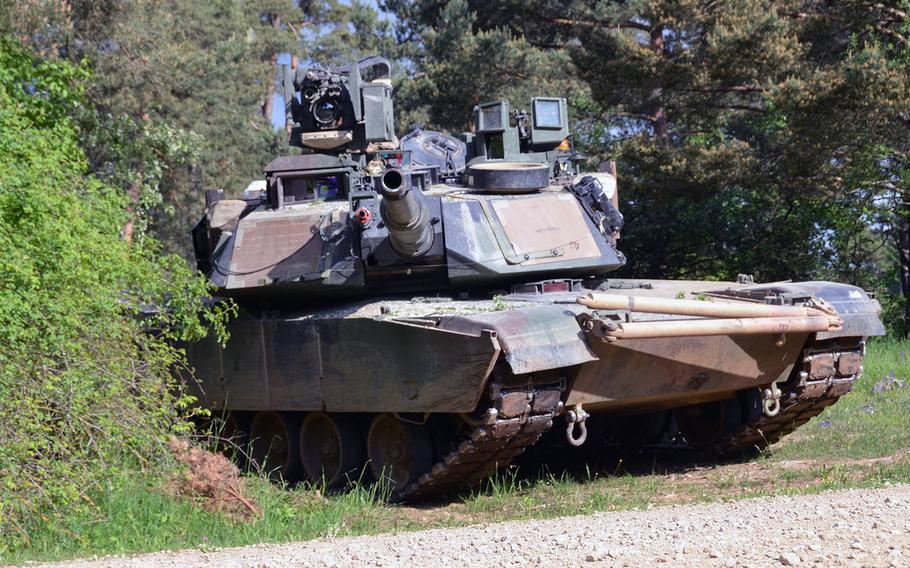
point(897, 14)
point(889, 32)
point(733, 89)
point(629, 24)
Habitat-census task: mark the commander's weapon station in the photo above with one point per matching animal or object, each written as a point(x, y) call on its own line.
point(337, 116)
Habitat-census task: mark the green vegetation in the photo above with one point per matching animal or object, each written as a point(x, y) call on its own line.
point(865, 424)
point(139, 517)
point(86, 394)
point(757, 137)
point(846, 446)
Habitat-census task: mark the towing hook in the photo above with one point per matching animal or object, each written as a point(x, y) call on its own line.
point(576, 417)
point(771, 400)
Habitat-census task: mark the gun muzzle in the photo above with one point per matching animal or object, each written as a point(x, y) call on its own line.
point(405, 215)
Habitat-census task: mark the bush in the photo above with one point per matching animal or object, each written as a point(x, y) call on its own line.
point(86, 384)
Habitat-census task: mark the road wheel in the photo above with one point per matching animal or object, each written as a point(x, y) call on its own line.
point(704, 424)
point(273, 444)
point(399, 452)
point(638, 429)
point(331, 448)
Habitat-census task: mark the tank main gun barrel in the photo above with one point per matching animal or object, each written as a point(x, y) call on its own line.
point(405, 215)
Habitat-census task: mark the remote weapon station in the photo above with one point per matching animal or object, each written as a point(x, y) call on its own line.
point(424, 309)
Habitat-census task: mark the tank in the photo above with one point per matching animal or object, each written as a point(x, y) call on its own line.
point(423, 310)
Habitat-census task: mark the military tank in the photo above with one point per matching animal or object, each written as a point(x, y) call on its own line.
point(425, 309)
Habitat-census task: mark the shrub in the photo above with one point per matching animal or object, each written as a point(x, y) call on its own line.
point(86, 384)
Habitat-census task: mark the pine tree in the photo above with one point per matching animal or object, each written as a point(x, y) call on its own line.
point(179, 87)
point(757, 136)
point(458, 64)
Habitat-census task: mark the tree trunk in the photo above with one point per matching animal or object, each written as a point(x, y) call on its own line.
point(129, 228)
point(275, 21)
point(658, 117)
point(288, 119)
point(134, 192)
point(903, 252)
point(270, 90)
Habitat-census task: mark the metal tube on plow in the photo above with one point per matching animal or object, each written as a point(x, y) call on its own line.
point(733, 326)
point(650, 305)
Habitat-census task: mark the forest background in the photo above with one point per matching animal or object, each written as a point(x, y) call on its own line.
point(757, 137)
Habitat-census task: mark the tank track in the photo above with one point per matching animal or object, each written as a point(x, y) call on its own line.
point(487, 447)
point(826, 372)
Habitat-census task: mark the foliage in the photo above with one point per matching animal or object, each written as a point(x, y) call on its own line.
point(458, 65)
point(186, 85)
point(86, 383)
point(138, 516)
point(177, 68)
point(756, 137)
point(335, 32)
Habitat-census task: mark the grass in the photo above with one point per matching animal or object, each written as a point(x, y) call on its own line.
point(861, 441)
point(136, 517)
point(864, 424)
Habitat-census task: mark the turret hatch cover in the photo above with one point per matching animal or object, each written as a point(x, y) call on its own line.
point(429, 148)
point(275, 249)
point(551, 222)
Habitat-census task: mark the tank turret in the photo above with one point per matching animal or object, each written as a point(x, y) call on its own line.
point(358, 213)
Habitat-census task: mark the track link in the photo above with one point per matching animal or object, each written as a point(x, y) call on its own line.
point(827, 371)
point(486, 448)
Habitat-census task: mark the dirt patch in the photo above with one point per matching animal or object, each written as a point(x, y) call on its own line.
point(451, 514)
point(211, 481)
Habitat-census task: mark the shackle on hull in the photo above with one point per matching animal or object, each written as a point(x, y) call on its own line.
point(405, 215)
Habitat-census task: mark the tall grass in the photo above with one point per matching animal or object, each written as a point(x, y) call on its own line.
point(137, 517)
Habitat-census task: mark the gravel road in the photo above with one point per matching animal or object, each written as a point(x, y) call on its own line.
point(846, 528)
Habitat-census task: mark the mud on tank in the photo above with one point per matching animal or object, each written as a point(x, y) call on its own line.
point(424, 309)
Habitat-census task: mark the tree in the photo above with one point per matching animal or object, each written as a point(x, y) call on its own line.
point(203, 68)
point(333, 32)
point(176, 82)
point(457, 63)
point(758, 137)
